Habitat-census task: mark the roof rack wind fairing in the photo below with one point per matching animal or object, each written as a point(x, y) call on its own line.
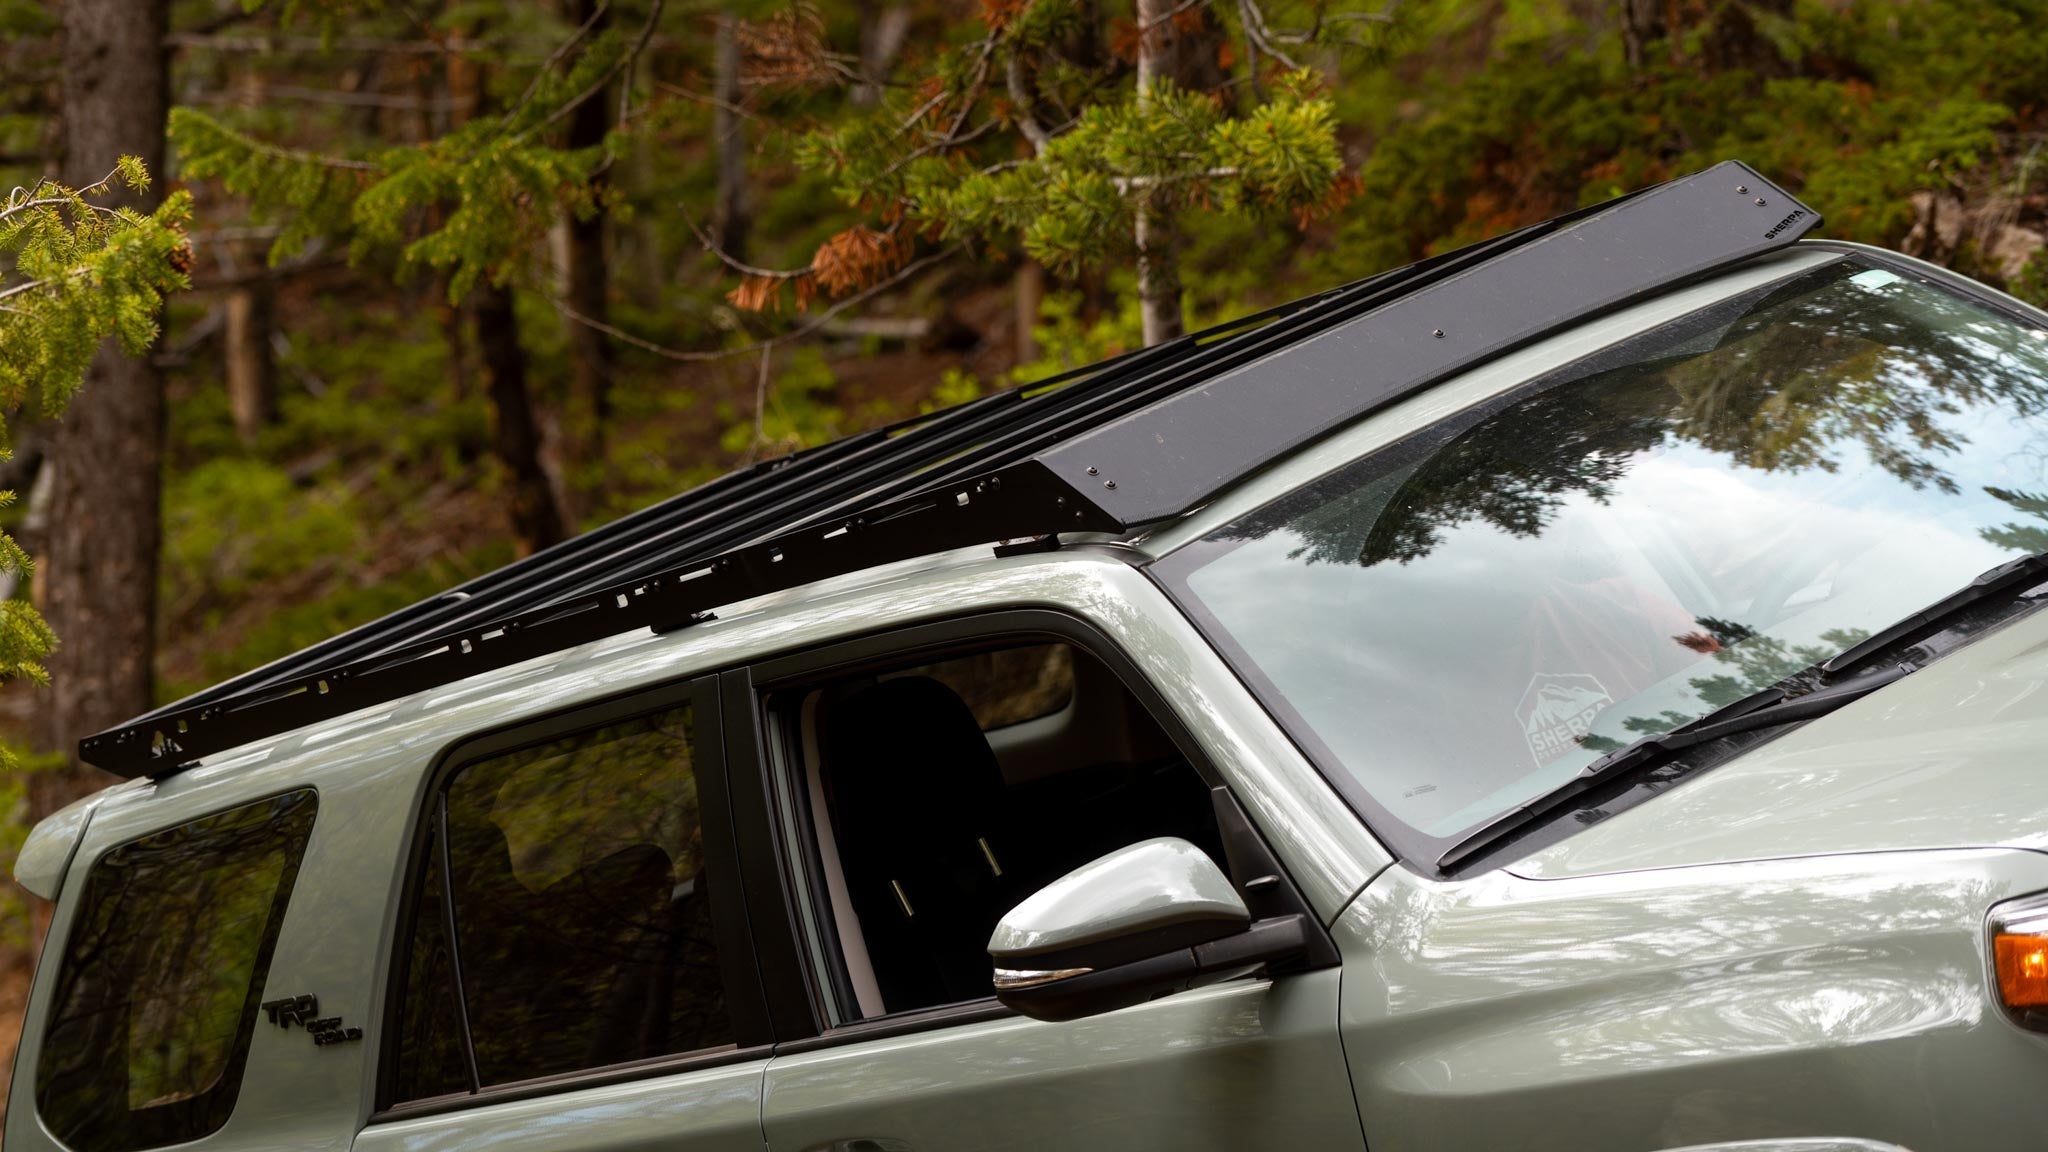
point(1134, 440)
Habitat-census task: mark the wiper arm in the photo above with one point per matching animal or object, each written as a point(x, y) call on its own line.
point(1767, 709)
point(2011, 576)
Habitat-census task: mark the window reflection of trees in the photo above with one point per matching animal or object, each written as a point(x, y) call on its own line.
point(162, 972)
point(582, 913)
point(1789, 385)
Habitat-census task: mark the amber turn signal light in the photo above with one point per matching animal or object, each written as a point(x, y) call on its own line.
point(2022, 963)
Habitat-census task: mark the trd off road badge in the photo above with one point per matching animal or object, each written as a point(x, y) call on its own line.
point(305, 1011)
point(1557, 710)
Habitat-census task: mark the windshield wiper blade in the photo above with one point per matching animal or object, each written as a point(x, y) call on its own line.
point(2011, 576)
point(1767, 709)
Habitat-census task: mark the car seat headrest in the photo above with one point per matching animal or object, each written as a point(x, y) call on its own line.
point(909, 764)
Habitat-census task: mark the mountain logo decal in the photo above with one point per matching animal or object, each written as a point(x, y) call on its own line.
point(1557, 709)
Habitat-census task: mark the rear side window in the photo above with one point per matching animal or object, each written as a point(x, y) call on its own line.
point(161, 978)
point(565, 893)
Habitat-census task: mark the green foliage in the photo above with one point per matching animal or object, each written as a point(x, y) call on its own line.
point(798, 412)
point(494, 190)
point(938, 157)
point(473, 203)
point(235, 523)
point(309, 195)
point(83, 272)
point(955, 386)
point(1074, 204)
point(287, 626)
point(1856, 107)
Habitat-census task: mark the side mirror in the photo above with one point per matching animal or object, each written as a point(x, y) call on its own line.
point(1145, 921)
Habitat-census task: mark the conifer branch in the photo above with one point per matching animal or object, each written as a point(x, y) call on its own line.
point(1025, 113)
point(554, 60)
point(1163, 17)
point(801, 331)
point(623, 64)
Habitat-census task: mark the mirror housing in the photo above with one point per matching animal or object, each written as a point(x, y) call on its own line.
point(1145, 921)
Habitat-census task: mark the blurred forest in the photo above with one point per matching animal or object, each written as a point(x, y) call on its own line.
point(458, 278)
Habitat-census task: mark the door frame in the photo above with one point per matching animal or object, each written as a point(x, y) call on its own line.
point(737, 957)
point(772, 820)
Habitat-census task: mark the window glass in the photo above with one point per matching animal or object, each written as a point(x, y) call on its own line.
point(431, 1060)
point(934, 835)
point(1010, 685)
point(1465, 620)
point(161, 976)
point(582, 914)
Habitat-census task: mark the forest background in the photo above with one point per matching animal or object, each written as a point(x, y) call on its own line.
point(394, 291)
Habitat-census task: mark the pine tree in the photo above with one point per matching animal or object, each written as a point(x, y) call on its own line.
point(82, 272)
point(475, 207)
point(1108, 170)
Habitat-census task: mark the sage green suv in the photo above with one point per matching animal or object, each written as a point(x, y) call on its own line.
point(1579, 693)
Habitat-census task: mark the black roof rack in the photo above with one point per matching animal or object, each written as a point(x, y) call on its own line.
point(1131, 441)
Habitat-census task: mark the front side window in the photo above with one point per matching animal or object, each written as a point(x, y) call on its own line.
point(566, 884)
point(161, 977)
point(1465, 619)
point(943, 792)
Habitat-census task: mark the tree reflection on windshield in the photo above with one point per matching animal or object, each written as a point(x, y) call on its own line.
point(1784, 387)
point(1664, 528)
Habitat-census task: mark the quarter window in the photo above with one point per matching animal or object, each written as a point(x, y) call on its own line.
point(565, 886)
point(161, 977)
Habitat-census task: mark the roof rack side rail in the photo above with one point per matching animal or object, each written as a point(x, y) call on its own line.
point(1133, 440)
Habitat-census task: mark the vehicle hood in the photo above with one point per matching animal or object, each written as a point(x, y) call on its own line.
point(1952, 756)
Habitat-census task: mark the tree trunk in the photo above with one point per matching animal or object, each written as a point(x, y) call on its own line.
point(98, 569)
point(538, 519)
point(1030, 293)
point(1158, 255)
point(882, 34)
point(590, 350)
point(536, 511)
point(251, 369)
point(730, 219)
point(1642, 22)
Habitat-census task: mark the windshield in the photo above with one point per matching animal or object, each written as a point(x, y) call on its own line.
point(1462, 621)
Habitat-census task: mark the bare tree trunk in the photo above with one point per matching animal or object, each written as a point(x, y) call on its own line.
point(450, 316)
point(730, 217)
point(1030, 292)
point(99, 564)
point(251, 368)
point(1642, 21)
point(536, 510)
point(881, 40)
point(590, 350)
point(538, 518)
point(1158, 254)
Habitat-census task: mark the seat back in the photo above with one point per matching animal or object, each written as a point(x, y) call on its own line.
point(917, 798)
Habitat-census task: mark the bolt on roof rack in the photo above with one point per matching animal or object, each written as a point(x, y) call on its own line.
point(1131, 441)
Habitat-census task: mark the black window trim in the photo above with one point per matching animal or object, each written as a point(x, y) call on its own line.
point(730, 915)
point(55, 949)
point(757, 808)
